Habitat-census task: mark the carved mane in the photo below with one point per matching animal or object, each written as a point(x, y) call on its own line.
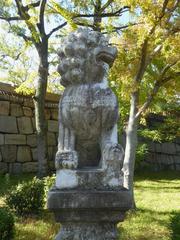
point(80, 57)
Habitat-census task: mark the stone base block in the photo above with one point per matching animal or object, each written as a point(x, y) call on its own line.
point(88, 215)
point(87, 231)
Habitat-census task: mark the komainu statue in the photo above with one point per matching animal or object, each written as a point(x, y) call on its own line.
point(88, 151)
point(88, 198)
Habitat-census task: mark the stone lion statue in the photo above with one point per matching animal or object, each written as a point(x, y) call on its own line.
point(88, 109)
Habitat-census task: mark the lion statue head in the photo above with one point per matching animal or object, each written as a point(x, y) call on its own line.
point(84, 57)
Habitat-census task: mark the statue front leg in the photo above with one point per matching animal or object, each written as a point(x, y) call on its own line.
point(66, 156)
point(112, 157)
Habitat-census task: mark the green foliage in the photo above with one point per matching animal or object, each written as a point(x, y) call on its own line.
point(48, 183)
point(154, 135)
point(27, 197)
point(6, 224)
point(162, 50)
point(141, 152)
point(64, 13)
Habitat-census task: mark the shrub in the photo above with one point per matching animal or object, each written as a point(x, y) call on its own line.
point(141, 152)
point(49, 182)
point(6, 224)
point(27, 197)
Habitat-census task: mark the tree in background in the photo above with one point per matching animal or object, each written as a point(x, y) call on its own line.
point(147, 66)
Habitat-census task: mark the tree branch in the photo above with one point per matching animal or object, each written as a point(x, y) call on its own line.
point(56, 29)
point(158, 83)
point(41, 17)
point(106, 5)
point(31, 5)
point(9, 19)
point(22, 13)
point(89, 25)
point(116, 29)
point(164, 8)
point(26, 38)
point(142, 65)
point(103, 15)
point(25, 8)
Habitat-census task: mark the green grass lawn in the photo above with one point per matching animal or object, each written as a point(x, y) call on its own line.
point(157, 216)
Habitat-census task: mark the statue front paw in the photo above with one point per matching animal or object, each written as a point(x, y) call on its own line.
point(66, 160)
point(113, 152)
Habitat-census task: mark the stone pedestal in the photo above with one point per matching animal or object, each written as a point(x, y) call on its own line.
point(88, 214)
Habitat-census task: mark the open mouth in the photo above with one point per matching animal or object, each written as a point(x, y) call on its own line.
point(107, 55)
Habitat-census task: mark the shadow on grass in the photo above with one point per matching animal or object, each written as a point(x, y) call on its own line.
point(146, 224)
point(157, 187)
point(175, 225)
point(156, 176)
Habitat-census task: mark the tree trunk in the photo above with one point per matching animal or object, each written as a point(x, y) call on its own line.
point(39, 102)
point(131, 145)
point(97, 19)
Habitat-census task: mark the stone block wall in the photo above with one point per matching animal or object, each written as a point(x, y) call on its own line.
point(160, 156)
point(18, 142)
point(164, 156)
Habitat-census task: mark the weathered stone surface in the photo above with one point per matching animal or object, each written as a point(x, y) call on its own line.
point(51, 139)
point(177, 140)
point(89, 156)
point(29, 167)
point(25, 125)
point(32, 140)
point(54, 114)
point(50, 153)
point(168, 147)
point(16, 139)
point(4, 108)
point(177, 149)
point(90, 231)
point(88, 113)
point(158, 147)
point(15, 168)
point(27, 111)
point(177, 167)
point(52, 126)
point(47, 113)
point(16, 110)
point(28, 103)
point(177, 159)
point(0, 157)
point(3, 167)
point(151, 147)
point(8, 124)
point(1, 139)
point(9, 153)
point(24, 154)
point(90, 214)
point(34, 154)
point(51, 165)
point(33, 123)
